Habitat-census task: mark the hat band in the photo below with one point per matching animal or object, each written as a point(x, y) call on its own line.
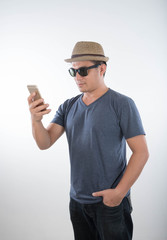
point(81, 55)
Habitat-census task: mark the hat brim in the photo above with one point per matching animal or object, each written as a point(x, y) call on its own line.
point(87, 58)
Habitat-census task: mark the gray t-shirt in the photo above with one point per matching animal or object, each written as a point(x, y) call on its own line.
point(96, 136)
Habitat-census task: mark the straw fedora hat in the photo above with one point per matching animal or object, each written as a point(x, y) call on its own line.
point(85, 51)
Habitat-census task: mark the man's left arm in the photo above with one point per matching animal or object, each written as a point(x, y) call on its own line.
point(139, 157)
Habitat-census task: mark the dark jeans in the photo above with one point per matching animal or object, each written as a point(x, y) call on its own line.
point(100, 222)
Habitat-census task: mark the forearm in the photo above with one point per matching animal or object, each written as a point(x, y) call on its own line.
point(132, 172)
point(41, 135)
point(139, 157)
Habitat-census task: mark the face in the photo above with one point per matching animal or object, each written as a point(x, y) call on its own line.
point(93, 80)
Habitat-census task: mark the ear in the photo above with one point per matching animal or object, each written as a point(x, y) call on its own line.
point(102, 69)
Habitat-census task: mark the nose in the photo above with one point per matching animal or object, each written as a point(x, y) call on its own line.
point(77, 77)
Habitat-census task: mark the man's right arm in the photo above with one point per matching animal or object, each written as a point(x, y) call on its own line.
point(44, 137)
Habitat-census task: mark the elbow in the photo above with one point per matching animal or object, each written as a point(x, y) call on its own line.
point(43, 147)
point(147, 155)
point(142, 155)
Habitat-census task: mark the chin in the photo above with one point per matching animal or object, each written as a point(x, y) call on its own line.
point(82, 90)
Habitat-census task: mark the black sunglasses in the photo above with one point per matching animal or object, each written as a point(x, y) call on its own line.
point(83, 71)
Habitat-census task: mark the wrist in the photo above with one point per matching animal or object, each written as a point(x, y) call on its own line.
point(34, 121)
point(120, 193)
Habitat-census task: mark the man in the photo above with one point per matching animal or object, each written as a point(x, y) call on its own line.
point(98, 123)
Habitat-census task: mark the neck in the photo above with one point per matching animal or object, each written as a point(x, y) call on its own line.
point(92, 96)
point(96, 92)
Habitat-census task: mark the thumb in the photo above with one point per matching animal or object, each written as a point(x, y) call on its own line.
point(98, 194)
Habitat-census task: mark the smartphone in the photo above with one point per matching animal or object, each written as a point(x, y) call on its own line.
point(34, 88)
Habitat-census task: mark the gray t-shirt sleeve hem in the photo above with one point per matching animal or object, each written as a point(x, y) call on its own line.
point(57, 121)
point(135, 135)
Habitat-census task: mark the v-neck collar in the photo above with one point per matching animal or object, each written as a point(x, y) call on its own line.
point(87, 106)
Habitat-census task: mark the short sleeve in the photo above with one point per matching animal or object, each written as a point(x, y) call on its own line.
point(130, 120)
point(60, 114)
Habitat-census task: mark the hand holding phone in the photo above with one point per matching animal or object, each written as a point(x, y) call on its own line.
point(34, 88)
point(36, 103)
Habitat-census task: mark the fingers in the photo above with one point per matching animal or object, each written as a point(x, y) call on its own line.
point(30, 98)
point(38, 104)
point(98, 194)
point(37, 108)
point(110, 197)
point(41, 113)
point(38, 112)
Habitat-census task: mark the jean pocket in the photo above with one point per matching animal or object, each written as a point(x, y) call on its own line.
point(110, 207)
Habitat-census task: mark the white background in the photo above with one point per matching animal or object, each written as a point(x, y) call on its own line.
point(35, 38)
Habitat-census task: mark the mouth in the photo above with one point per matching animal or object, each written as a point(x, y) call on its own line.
point(80, 84)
